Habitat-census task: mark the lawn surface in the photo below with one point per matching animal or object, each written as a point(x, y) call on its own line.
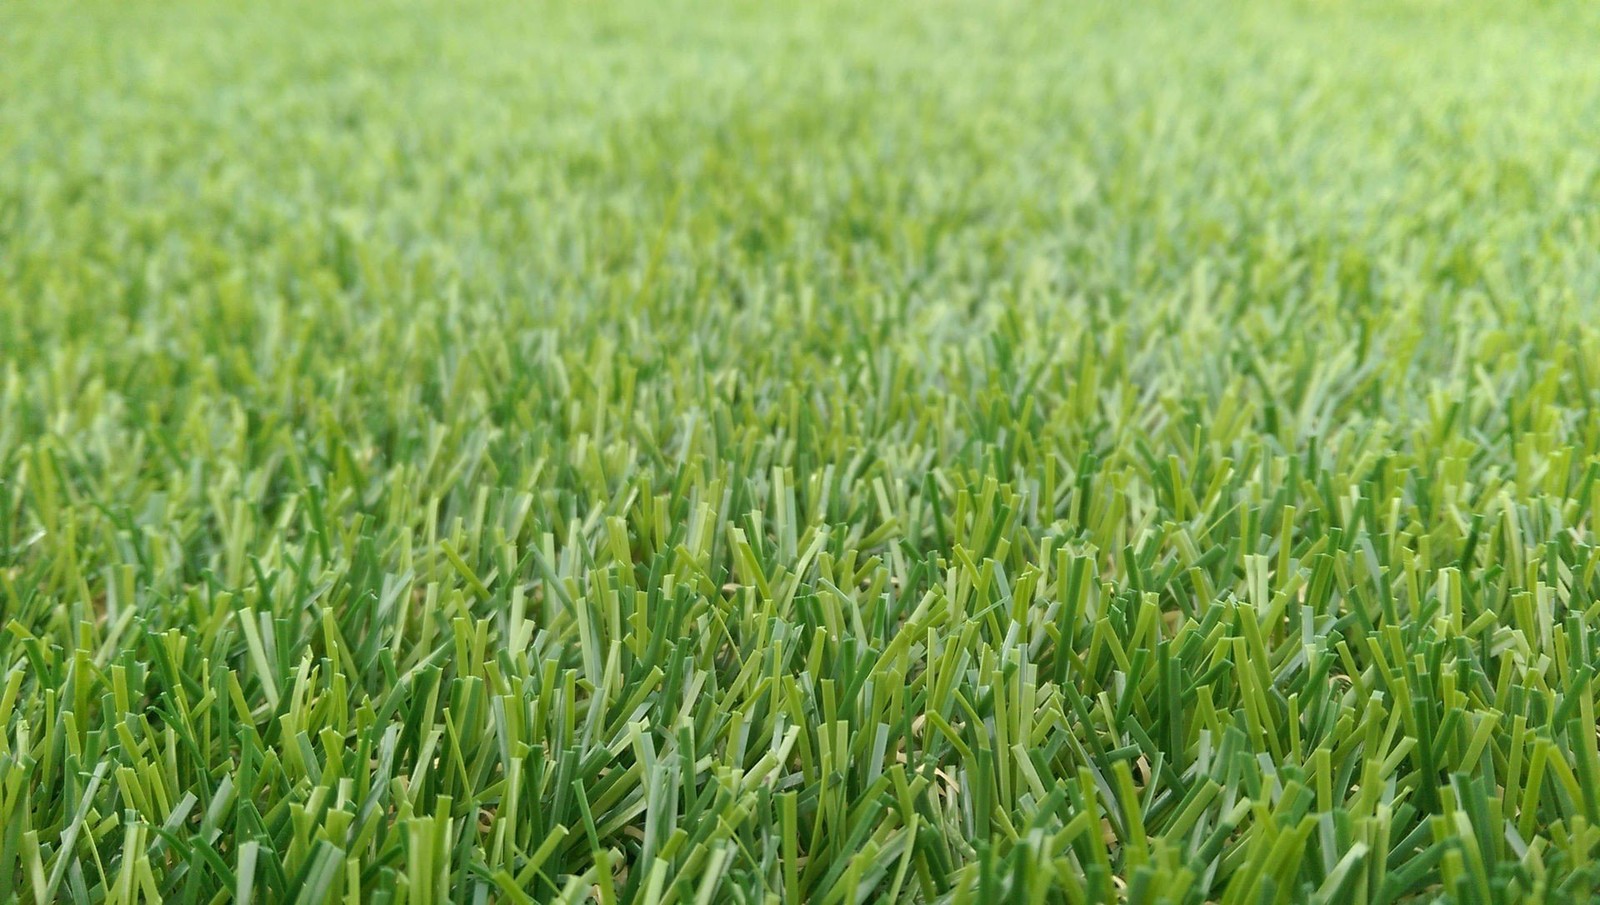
point(799, 452)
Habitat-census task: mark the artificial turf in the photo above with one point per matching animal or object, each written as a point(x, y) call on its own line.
point(644, 451)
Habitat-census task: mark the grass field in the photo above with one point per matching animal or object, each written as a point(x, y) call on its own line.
point(790, 452)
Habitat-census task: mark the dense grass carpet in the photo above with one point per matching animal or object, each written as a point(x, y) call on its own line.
point(735, 452)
